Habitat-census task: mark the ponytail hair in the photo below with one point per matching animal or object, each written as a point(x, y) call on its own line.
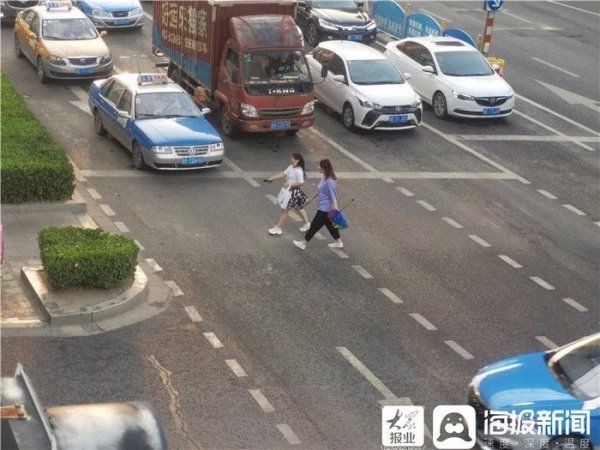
point(325, 164)
point(298, 157)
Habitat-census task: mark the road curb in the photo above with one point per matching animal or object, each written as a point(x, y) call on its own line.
point(133, 296)
point(76, 205)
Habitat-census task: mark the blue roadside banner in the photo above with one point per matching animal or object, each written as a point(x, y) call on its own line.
point(460, 34)
point(421, 24)
point(389, 17)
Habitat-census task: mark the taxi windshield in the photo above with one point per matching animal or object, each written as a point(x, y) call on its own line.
point(165, 104)
point(68, 29)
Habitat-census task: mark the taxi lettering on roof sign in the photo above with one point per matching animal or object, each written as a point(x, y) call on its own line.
point(58, 5)
point(153, 78)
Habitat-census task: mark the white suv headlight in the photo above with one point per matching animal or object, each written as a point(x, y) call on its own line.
point(368, 104)
point(309, 108)
point(162, 149)
point(216, 147)
point(248, 110)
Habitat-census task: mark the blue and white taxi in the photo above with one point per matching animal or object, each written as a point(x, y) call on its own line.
point(156, 120)
point(113, 13)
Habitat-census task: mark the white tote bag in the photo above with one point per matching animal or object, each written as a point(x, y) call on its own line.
point(283, 198)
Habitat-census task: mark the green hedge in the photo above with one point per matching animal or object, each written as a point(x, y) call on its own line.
point(86, 257)
point(33, 167)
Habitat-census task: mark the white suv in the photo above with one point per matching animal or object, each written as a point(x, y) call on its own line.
point(361, 84)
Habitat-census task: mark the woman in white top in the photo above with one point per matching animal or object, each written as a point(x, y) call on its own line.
point(294, 177)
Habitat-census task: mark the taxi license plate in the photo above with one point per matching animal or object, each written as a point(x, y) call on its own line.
point(83, 71)
point(121, 21)
point(355, 37)
point(192, 161)
point(399, 119)
point(280, 124)
point(491, 111)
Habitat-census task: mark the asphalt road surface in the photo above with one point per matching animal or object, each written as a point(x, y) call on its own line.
point(468, 242)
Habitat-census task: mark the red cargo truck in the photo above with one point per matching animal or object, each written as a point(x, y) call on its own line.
point(241, 57)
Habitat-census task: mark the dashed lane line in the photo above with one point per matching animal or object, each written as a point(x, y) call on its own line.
point(547, 342)
point(405, 191)
point(574, 210)
point(362, 272)
point(458, 349)
point(122, 227)
point(597, 223)
point(233, 166)
point(213, 339)
point(547, 194)
point(575, 304)
point(365, 372)
point(525, 137)
point(153, 265)
point(339, 253)
point(94, 193)
point(452, 222)
point(271, 198)
point(426, 205)
point(560, 69)
point(517, 17)
point(319, 236)
point(295, 217)
point(261, 400)
point(573, 7)
point(193, 313)
point(423, 321)
point(511, 262)
point(236, 368)
point(389, 294)
point(139, 245)
point(288, 434)
point(177, 292)
point(480, 241)
point(541, 282)
point(106, 209)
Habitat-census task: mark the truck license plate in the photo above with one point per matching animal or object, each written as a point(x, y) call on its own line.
point(121, 21)
point(83, 71)
point(491, 111)
point(192, 161)
point(280, 124)
point(399, 119)
point(355, 37)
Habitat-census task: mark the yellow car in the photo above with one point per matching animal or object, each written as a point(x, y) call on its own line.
point(61, 42)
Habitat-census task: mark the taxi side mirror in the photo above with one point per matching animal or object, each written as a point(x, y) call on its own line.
point(103, 33)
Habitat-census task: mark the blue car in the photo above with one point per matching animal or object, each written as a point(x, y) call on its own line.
point(106, 14)
point(547, 400)
point(156, 120)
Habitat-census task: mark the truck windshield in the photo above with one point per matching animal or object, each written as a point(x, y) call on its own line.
point(68, 29)
point(165, 104)
point(276, 72)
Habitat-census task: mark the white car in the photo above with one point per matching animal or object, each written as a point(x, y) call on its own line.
point(361, 84)
point(453, 77)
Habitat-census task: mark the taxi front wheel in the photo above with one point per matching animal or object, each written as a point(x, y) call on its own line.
point(41, 73)
point(137, 156)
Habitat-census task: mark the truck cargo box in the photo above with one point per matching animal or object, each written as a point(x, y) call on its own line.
point(192, 33)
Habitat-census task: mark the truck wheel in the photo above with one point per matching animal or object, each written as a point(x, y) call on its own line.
point(18, 50)
point(98, 125)
point(312, 35)
point(41, 73)
point(137, 156)
point(227, 125)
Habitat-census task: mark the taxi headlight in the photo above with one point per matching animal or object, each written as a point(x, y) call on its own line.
point(216, 147)
point(460, 96)
point(100, 13)
point(162, 149)
point(309, 108)
point(57, 61)
point(106, 59)
point(248, 110)
point(136, 12)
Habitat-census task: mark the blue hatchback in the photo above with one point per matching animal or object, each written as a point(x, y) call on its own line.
point(156, 120)
point(547, 400)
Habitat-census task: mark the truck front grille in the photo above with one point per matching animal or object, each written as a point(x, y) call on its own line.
point(269, 113)
point(191, 150)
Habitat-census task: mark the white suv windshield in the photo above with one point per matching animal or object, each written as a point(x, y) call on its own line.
point(578, 368)
point(374, 71)
point(165, 104)
point(68, 29)
point(463, 64)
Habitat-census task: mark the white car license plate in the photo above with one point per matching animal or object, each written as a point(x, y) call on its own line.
point(491, 111)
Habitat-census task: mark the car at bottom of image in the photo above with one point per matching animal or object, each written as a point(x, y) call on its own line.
point(156, 120)
point(61, 42)
point(453, 77)
point(113, 14)
point(546, 400)
point(364, 86)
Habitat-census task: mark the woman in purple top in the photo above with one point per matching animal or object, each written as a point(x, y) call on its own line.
point(326, 202)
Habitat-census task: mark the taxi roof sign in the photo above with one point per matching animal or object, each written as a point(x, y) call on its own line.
point(58, 5)
point(153, 78)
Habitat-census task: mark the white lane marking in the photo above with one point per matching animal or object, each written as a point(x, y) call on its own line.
point(405, 191)
point(365, 372)
point(452, 222)
point(193, 313)
point(547, 342)
point(251, 181)
point(516, 17)
point(294, 216)
point(426, 205)
point(236, 368)
point(153, 264)
point(288, 434)
point(547, 194)
point(261, 400)
point(555, 67)
point(148, 16)
point(575, 304)
point(362, 272)
point(435, 15)
point(480, 241)
point(597, 223)
point(350, 155)
point(525, 137)
point(575, 210)
point(86, 221)
point(573, 7)
point(177, 292)
point(94, 193)
point(572, 98)
point(458, 349)
point(511, 262)
point(339, 253)
point(542, 283)
point(319, 236)
point(468, 149)
point(139, 244)
point(122, 227)
point(271, 198)
point(389, 294)
point(213, 339)
point(107, 210)
point(423, 321)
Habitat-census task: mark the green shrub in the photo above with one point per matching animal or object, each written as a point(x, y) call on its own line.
point(85, 257)
point(33, 167)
